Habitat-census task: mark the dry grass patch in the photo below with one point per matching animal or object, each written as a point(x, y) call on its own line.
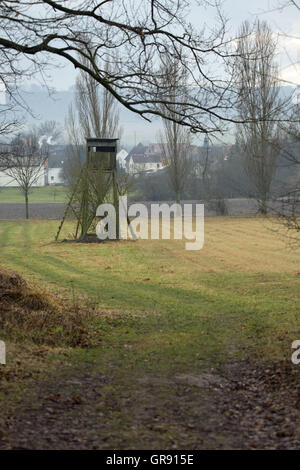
point(31, 314)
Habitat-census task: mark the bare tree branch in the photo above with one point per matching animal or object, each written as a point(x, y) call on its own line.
point(36, 35)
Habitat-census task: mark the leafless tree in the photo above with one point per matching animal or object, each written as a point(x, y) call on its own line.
point(97, 110)
point(259, 106)
point(23, 160)
point(287, 201)
point(37, 35)
point(95, 115)
point(175, 139)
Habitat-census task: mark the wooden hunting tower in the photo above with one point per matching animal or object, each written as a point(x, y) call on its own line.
point(101, 154)
point(101, 158)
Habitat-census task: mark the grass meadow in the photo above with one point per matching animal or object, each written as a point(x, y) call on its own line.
point(125, 330)
point(43, 195)
point(164, 307)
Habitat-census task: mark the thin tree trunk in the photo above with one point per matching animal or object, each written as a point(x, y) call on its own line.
point(263, 205)
point(26, 204)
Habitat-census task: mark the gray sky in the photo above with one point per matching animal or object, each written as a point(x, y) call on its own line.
point(282, 22)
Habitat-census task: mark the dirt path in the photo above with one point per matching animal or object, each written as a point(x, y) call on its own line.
point(238, 407)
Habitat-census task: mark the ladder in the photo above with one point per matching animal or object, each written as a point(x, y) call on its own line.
point(68, 205)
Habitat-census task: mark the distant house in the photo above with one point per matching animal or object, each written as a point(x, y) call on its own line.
point(121, 158)
point(145, 159)
point(145, 163)
point(55, 176)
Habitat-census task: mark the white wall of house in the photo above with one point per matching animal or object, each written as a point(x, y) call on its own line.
point(146, 166)
point(55, 176)
point(130, 167)
point(7, 181)
point(121, 158)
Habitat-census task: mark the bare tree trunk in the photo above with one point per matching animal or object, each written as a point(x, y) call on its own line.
point(263, 204)
point(26, 203)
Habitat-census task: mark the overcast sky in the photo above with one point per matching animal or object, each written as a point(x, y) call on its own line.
point(282, 21)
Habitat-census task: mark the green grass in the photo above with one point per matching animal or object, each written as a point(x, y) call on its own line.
point(163, 309)
point(160, 312)
point(44, 194)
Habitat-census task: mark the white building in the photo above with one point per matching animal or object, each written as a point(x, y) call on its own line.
point(144, 163)
point(121, 158)
point(55, 176)
point(7, 181)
